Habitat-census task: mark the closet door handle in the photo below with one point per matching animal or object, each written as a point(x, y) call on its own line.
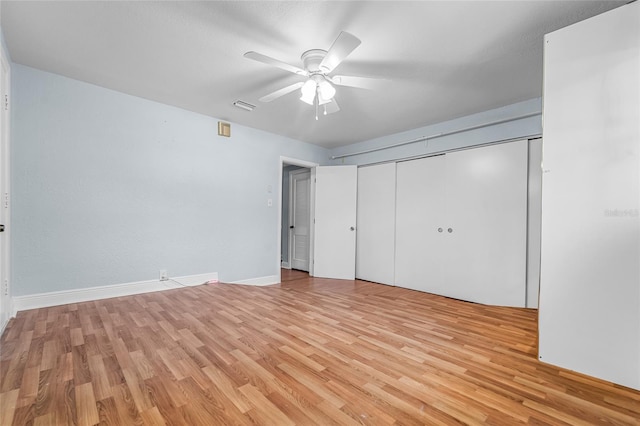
point(450, 230)
point(439, 229)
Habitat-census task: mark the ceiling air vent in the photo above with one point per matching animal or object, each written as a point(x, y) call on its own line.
point(244, 105)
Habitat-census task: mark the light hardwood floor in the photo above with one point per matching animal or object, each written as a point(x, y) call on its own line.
point(306, 352)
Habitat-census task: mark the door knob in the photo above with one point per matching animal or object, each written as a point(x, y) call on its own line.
point(291, 227)
point(352, 228)
point(450, 230)
point(439, 229)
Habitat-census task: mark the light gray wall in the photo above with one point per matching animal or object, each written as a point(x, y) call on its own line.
point(109, 188)
point(515, 129)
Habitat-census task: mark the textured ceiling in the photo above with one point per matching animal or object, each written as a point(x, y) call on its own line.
point(443, 59)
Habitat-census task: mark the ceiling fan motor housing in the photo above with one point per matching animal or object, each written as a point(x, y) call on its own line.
point(311, 60)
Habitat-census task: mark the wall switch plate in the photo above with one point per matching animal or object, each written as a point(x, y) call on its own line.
point(163, 275)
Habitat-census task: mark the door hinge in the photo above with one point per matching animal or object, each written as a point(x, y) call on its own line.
point(6, 287)
point(6, 102)
point(5, 200)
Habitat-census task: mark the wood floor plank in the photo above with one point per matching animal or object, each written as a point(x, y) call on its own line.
point(265, 411)
point(86, 405)
point(8, 406)
point(306, 351)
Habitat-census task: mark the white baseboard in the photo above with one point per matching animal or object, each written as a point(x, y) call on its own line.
point(191, 280)
point(285, 265)
point(5, 317)
point(55, 298)
point(268, 280)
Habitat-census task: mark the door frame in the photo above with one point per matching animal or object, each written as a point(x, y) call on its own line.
point(6, 305)
point(292, 213)
point(288, 161)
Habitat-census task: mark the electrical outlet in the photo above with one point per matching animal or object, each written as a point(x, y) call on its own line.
point(163, 275)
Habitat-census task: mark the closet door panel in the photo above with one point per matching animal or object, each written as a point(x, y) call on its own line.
point(420, 198)
point(375, 239)
point(486, 205)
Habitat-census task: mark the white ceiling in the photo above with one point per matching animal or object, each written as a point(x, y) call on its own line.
point(443, 59)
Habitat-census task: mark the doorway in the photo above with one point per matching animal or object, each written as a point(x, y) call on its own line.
point(288, 165)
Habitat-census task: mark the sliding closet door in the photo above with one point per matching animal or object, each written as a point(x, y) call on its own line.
point(486, 228)
point(376, 223)
point(420, 218)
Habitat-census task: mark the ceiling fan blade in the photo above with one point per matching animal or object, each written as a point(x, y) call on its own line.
point(332, 106)
point(274, 62)
point(341, 48)
point(281, 92)
point(359, 82)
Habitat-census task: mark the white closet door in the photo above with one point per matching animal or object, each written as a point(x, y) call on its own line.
point(419, 217)
point(375, 239)
point(334, 250)
point(486, 207)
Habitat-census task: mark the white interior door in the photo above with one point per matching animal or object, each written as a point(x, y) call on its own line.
point(334, 251)
point(300, 219)
point(375, 237)
point(420, 224)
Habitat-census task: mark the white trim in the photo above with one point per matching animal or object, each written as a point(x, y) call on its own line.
point(268, 280)
point(4, 325)
point(55, 298)
point(5, 189)
point(285, 265)
point(293, 162)
point(193, 280)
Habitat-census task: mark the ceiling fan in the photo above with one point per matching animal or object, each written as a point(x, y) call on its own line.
point(318, 88)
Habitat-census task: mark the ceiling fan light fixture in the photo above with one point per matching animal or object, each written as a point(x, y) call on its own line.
point(322, 100)
point(319, 87)
point(326, 90)
point(308, 92)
